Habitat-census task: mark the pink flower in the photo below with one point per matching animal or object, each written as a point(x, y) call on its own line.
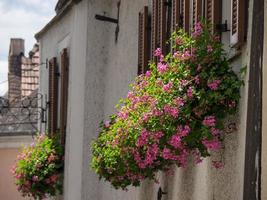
point(213, 144)
point(143, 138)
point(176, 141)
point(54, 178)
point(183, 131)
point(197, 30)
point(190, 92)
point(209, 121)
point(51, 158)
point(184, 82)
point(174, 112)
point(123, 114)
point(157, 52)
point(35, 178)
point(177, 55)
point(214, 85)
point(179, 41)
point(214, 131)
point(107, 124)
point(179, 101)
point(209, 49)
point(130, 95)
point(167, 87)
point(186, 55)
point(162, 67)
point(148, 73)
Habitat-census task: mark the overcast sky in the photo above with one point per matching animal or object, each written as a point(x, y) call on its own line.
point(21, 19)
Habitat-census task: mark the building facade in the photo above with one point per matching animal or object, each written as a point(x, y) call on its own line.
point(92, 62)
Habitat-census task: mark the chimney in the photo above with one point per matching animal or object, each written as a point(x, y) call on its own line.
point(16, 52)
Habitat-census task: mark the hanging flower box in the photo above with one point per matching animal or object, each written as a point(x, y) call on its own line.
point(174, 111)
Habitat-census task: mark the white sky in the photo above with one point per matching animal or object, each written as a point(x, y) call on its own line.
point(21, 19)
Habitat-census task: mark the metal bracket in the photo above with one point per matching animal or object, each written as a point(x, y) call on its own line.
point(112, 20)
point(161, 193)
point(222, 27)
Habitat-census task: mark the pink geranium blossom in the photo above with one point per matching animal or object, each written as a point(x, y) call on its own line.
point(209, 121)
point(214, 84)
point(162, 67)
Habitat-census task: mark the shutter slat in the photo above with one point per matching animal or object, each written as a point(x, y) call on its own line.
point(213, 13)
point(64, 94)
point(185, 15)
point(175, 15)
point(238, 17)
point(162, 34)
point(154, 28)
point(196, 11)
point(143, 40)
point(53, 97)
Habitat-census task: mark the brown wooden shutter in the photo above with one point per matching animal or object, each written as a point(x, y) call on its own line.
point(237, 22)
point(213, 13)
point(154, 28)
point(196, 11)
point(64, 94)
point(175, 15)
point(143, 41)
point(185, 6)
point(53, 97)
point(162, 30)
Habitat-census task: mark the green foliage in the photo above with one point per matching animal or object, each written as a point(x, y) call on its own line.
point(39, 168)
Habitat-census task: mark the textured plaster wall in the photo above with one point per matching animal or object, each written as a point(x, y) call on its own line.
point(264, 114)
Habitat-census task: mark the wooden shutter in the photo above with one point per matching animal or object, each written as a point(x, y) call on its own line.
point(185, 6)
point(64, 94)
point(176, 22)
point(53, 97)
point(143, 41)
point(213, 13)
point(154, 28)
point(237, 22)
point(162, 30)
point(196, 11)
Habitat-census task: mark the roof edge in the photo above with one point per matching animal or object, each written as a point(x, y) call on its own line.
point(56, 18)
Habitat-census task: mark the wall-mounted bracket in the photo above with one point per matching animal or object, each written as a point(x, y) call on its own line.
point(112, 20)
point(222, 27)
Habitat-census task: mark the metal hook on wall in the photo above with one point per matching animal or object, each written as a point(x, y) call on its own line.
point(112, 20)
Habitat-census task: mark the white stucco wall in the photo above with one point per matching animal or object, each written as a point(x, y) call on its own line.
point(100, 71)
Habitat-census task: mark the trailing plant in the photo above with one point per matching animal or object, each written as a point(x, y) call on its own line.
point(174, 111)
point(39, 168)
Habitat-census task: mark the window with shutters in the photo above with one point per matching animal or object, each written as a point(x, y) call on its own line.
point(53, 96)
point(64, 75)
point(238, 17)
point(143, 41)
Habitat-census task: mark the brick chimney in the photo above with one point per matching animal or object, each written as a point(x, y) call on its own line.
point(16, 51)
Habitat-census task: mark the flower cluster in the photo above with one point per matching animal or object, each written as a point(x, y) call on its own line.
point(173, 111)
point(38, 169)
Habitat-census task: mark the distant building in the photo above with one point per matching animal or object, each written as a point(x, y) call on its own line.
point(23, 72)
